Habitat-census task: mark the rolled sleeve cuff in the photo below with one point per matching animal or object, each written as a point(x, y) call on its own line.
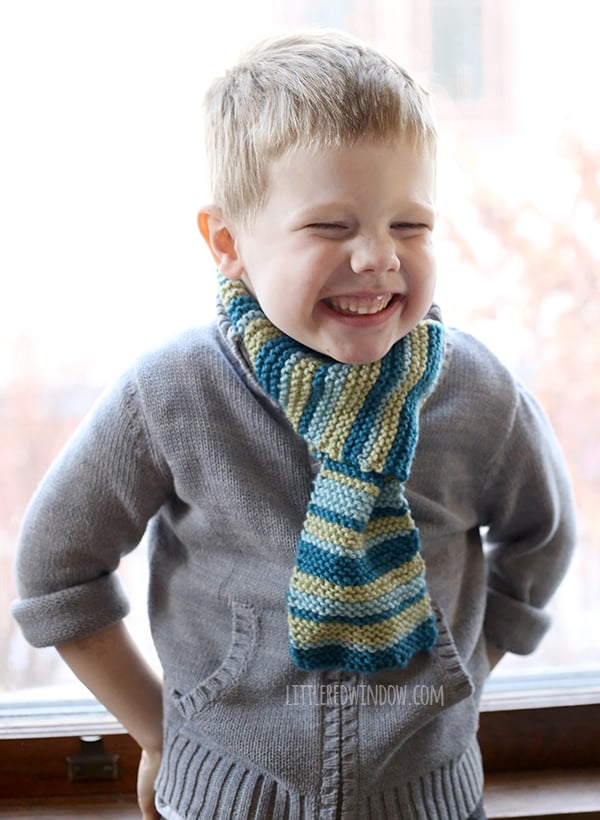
point(512, 625)
point(72, 613)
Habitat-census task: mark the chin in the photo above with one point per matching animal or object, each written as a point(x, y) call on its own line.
point(365, 361)
point(359, 357)
point(355, 354)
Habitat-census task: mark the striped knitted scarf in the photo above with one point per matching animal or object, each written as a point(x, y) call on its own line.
point(357, 599)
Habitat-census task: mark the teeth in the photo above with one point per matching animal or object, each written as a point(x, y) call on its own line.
point(360, 304)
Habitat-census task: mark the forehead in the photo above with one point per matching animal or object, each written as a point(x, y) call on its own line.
point(396, 168)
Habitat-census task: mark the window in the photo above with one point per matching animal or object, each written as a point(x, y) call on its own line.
point(468, 52)
point(457, 47)
point(102, 177)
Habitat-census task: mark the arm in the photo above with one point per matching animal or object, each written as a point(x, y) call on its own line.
point(134, 698)
point(530, 512)
point(92, 508)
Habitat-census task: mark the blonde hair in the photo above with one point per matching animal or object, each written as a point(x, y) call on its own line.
point(311, 89)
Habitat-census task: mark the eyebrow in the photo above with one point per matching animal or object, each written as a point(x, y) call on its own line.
point(415, 210)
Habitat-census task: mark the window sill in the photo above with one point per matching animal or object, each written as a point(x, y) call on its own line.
point(542, 691)
point(118, 807)
point(54, 718)
point(552, 793)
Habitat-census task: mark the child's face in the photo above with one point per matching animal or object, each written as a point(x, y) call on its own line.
point(340, 256)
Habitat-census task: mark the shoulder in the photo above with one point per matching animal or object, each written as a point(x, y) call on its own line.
point(158, 385)
point(484, 426)
point(185, 365)
point(469, 360)
point(479, 407)
point(191, 348)
point(193, 379)
point(474, 383)
point(480, 403)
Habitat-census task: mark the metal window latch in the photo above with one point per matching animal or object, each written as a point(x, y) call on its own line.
point(92, 761)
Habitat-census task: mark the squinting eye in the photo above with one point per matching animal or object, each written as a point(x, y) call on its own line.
point(410, 227)
point(327, 226)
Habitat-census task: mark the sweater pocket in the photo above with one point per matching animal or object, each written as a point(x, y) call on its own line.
point(414, 719)
point(245, 708)
point(241, 648)
point(450, 670)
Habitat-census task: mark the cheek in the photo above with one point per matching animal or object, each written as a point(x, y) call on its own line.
point(432, 268)
point(421, 263)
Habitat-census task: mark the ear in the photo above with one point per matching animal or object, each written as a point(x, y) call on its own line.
point(221, 241)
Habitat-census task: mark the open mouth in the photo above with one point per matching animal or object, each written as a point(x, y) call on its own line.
point(362, 305)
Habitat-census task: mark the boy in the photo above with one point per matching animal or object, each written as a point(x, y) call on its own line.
point(282, 459)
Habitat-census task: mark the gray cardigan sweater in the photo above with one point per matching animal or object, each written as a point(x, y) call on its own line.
point(187, 446)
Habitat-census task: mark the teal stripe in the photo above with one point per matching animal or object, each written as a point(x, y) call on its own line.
point(398, 549)
point(312, 403)
point(269, 361)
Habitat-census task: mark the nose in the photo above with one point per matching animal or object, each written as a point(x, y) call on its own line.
point(374, 255)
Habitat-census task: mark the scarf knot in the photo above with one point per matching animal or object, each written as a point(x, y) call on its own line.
point(357, 598)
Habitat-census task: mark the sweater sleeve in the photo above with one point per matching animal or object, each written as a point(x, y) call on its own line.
point(527, 505)
point(90, 510)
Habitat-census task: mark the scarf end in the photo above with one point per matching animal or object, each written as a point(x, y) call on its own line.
point(362, 658)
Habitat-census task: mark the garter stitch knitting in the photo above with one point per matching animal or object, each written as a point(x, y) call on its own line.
point(357, 599)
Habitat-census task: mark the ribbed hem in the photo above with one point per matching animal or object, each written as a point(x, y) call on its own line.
point(202, 784)
point(451, 792)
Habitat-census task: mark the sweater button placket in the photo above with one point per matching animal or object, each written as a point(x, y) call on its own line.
point(340, 724)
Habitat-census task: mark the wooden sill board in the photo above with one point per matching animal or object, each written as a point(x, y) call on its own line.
point(554, 793)
point(99, 807)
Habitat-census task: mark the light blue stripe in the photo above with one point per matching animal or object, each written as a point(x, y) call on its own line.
point(360, 609)
point(391, 496)
point(343, 499)
point(332, 388)
point(248, 317)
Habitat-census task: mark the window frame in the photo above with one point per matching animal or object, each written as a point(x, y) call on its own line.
point(494, 110)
